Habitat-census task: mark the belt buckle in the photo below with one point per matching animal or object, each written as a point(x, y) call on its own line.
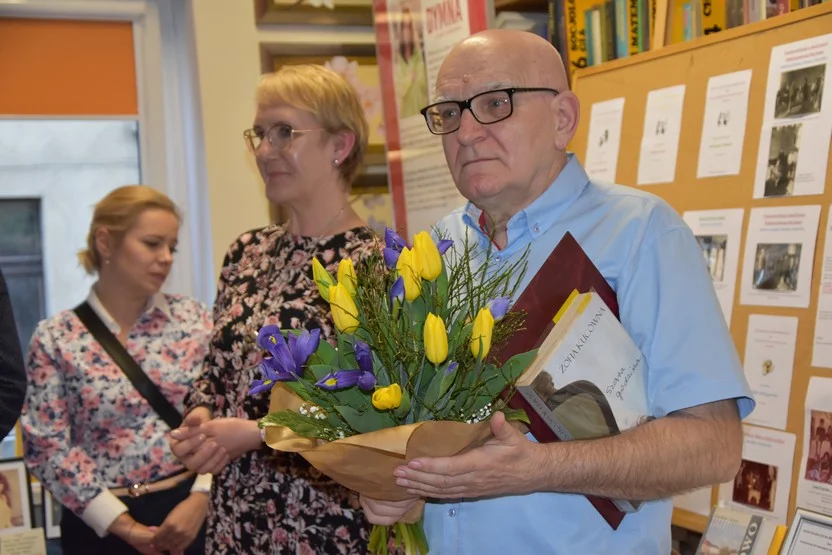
point(138, 489)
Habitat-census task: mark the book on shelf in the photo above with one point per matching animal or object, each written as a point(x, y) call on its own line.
point(732, 531)
point(565, 269)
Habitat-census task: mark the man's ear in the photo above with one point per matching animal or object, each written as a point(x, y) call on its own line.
point(343, 143)
point(103, 243)
point(567, 114)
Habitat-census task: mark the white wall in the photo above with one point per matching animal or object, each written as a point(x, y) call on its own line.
point(228, 59)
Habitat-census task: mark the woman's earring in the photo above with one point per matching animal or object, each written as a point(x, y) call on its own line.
point(336, 162)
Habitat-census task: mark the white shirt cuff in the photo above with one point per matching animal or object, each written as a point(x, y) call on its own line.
point(202, 483)
point(102, 511)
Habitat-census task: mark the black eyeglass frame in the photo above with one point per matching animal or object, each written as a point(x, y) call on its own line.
point(467, 104)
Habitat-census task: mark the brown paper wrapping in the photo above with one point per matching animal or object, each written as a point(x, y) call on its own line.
point(365, 463)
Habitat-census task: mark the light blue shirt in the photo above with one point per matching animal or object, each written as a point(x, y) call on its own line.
point(667, 303)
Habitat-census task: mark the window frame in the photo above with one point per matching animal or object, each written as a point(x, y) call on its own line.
point(172, 154)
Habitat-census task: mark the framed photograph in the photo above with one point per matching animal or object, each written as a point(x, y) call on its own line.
point(51, 516)
point(809, 532)
point(15, 497)
point(314, 12)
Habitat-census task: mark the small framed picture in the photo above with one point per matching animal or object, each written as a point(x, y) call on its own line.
point(15, 497)
point(51, 516)
point(809, 532)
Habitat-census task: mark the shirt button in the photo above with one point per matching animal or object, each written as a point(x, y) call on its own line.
point(498, 258)
point(536, 229)
point(452, 512)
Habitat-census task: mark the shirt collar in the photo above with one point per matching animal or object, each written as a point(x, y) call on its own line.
point(156, 302)
point(544, 211)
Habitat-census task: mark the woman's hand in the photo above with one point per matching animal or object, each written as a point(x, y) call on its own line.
point(182, 524)
point(387, 513)
point(235, 436)
point(196, 451)
point(138, 535)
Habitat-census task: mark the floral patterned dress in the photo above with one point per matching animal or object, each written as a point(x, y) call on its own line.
point(268, 502)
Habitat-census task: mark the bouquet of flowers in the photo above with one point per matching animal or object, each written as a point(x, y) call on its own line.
point(409, 374)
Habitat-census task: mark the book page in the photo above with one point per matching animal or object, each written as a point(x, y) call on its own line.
point(29, 542)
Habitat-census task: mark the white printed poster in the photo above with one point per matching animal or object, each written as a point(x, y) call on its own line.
point(822, 347)
point(814, 490)
point(660, 138)
point(719, 233)
point(723, 127)
point(763, 482)
point(779, 256)
point(605, 119)
point(797, 120)
point(768, 365)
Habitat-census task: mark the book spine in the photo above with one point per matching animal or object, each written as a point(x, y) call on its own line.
point(622, 35)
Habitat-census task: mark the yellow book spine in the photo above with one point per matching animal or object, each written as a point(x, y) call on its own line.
point(714, 16)
point(576, 43)
point(565, 306)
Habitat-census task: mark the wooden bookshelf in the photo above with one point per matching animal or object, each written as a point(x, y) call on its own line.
point(689, 521)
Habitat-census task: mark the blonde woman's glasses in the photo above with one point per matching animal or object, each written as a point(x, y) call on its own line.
point(280, 136)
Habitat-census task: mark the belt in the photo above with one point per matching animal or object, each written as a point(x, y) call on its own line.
point(141, 488)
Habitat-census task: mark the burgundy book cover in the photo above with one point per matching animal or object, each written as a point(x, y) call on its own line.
point(567, 268)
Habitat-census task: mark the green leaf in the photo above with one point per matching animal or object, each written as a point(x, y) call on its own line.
point(403, 409)
point(366, 421)
point(518, 415)
point(301, 425)
point(324, 354)
point(516, 365)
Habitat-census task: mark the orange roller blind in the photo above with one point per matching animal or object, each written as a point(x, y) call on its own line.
point(56, 67)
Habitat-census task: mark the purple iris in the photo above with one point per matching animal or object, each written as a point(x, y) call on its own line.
point(363, 375)
point(286, 360)
point(397, 292)
point(393, 245)
point(443, 245)
point(451, 367)
point(498, 307)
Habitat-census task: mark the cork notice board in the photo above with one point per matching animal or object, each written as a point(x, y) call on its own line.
point(692, 64)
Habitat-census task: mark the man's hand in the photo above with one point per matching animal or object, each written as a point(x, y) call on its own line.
point(138, 535)
point(196, 451)
point(182, 524)
point(504, 465)
point(387, 513)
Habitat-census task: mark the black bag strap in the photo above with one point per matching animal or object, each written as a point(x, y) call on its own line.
point(128, 365)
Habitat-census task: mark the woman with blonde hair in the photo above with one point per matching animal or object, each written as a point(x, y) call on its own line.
point(309, 138)
point(106, 382)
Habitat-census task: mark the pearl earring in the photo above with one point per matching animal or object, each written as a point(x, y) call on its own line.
point(336, 162)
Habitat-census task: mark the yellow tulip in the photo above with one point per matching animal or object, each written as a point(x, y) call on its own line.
point(346, 275)
point(436, 339)
point(322, 278)
point(430, 261)
point(344, 311)
point(386, 398)
point(483, 328)
point(408, 268)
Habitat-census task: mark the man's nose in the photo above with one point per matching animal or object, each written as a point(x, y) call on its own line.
point(470, 130)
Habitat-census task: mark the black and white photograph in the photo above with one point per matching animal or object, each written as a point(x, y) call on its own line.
point(713, 249)
point(800, 92)
point(755, 485)
point(15, 501)
point(782, 160)
point(776, 266)
point(51, 516)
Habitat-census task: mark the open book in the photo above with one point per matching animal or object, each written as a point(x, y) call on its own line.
point(731, 531)
point(588, 379)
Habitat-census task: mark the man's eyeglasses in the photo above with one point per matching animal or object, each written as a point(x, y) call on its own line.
point(279, 136)
point(487, 107)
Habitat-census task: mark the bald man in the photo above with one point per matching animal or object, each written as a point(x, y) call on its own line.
point(506, 116)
